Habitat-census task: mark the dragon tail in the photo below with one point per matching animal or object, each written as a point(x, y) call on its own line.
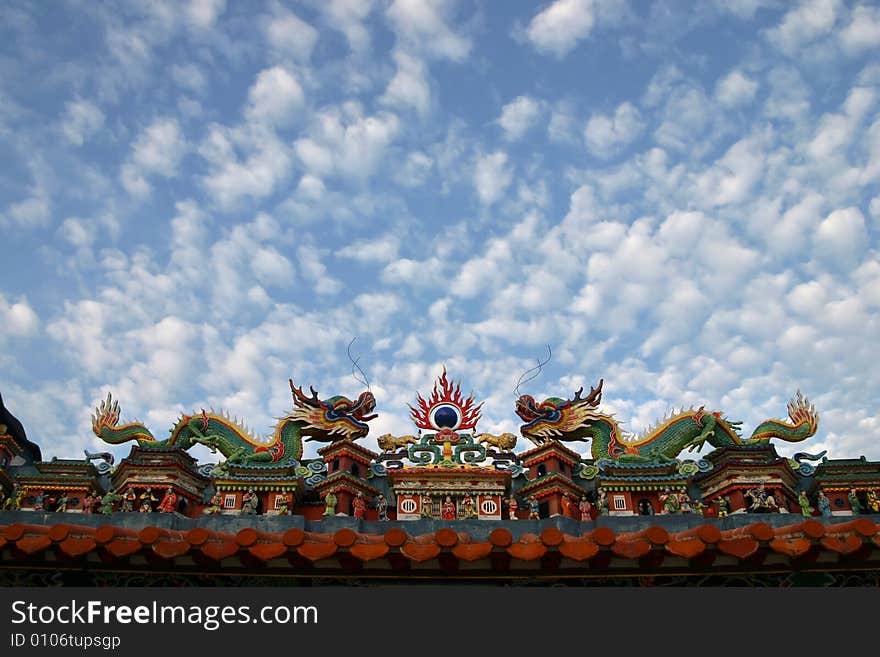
point(105, 425)
point(804, 423)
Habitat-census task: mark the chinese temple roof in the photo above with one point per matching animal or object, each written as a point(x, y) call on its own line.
point(496, 550)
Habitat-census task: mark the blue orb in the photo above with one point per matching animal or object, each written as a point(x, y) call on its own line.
point(446, 417)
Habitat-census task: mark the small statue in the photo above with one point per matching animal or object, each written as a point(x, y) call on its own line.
point(447, 511)
point(824, 504)
point(585, 507)
point(169, 501)
point(804, 502)
point(39, 501)
point(671, 501)
point(468, 509)
point(761, 499)
point(359, 506)
point(684, 503)
point(147, 499)
point(88, 502)
point(534, 508)
point(427, 506)
point(602, 501)
point(567, 506)
point(873, 501)
point(62, 503)
point(283, 507)
point(13, 502)
point(249, 502)
point(853, 498)
point(512, 506)
point(330, 502)
point(381, 508)
point(723, 506)
point(109, 500)
point(128, 501)
point(215, 506)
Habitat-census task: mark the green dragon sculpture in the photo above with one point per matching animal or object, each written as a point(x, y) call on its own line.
point(329, 420)
point(579, 419)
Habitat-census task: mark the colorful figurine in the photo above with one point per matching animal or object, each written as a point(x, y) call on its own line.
point(804, 502)
point(602, 502)
point(723, 506)
point(128, 500)
point(215, 506)
point(283, 507)
point(39, 501)
point(824, 504)
point(567, 506)
point(447, 511)
point(585, 507)
point(169, 501)
point(249, 502)
point(512, 506)
point(873, 501)
point(359, 506)
point(853, 498)
point(534, 508)
point(761, 499)
point(468, 509)
point(61, 505)
point(109, 500)
point(684, 503)
point(427, 506)
point(147, 499)
point(330, 502)
point(671, 501)
point(381, 508)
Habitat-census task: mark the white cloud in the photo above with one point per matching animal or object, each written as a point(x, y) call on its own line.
point(18, 319)
point(735, 88)
point(409, 87)
point(518, 116)
point(480, 274)
point(558, 28)
point(381, 250)
point(492, 176)
point(290, 35)
point(348, 17)
point(863, 31)
point(32, 212)
point(204, 13)
point(275, 97)
point(309, 261)
point(344, 141)
point(157, 151)
point(272, 268)
point(421, 25)
point(82, 120)
point(189, 76)
point(563, 126)
point(606, 134)
point(732, 178)
point(265, 163)
point(841, 237)
point(415, 171)
point(809, 21)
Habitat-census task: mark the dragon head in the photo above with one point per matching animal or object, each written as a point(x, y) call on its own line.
point(336, 418)
point(556, 418)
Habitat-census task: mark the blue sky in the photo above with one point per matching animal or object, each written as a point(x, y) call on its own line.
point(200, 200)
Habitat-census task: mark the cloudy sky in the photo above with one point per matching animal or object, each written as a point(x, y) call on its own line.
point(201, 200)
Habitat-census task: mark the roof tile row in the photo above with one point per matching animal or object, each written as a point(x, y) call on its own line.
point(804, 540)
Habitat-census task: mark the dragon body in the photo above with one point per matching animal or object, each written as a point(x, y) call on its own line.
point(579, 419)
point(336, 418)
